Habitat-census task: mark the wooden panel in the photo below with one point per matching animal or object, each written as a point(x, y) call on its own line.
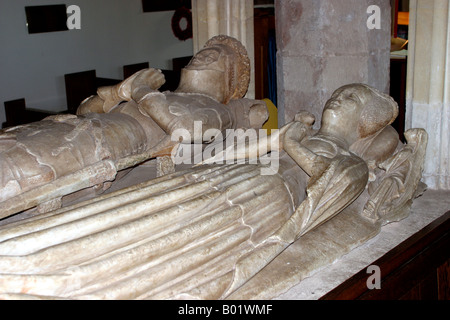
point(443, 281)
point(164, 5)
point(14, 111)
point(180, 63)
point(172, 80)
point(397, 91)
point(46, 18)
point(131, 69)
point(426, 289)
point(17, 113)
point(79, 86)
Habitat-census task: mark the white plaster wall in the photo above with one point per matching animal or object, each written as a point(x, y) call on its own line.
point(113, 33)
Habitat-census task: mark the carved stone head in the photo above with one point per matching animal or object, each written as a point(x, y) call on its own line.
point(357, 111)
point(221, 70)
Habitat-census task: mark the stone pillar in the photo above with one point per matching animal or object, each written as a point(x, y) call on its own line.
point(230, 17)
point(324, 44)
point(428, 85)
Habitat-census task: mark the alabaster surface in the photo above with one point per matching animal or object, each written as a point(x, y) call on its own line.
point(223, 227)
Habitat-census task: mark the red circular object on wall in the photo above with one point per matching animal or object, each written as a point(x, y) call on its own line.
point(182, 13)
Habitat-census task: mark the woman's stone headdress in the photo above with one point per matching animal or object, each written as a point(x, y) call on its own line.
point(240, 74)
point(376, 114)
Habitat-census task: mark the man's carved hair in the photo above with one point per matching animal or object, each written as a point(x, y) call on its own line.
point(240, 74)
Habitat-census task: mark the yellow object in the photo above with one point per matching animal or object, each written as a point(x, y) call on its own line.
point(403, 18)
point(272, 122)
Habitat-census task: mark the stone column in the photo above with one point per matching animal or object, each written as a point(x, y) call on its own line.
point(324, 44)
point(428, 85)
point(230, 17)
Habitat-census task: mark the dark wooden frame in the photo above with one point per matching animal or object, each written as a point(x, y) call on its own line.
point(81, 85)
point(46, 18)
point(397, 90)
point(130, 69)
point(164, 5)
point(17, 113)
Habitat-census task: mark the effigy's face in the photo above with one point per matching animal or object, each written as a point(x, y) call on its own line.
point(342, 111)
point(345, 104)
point(209, 73)
point(209, 59)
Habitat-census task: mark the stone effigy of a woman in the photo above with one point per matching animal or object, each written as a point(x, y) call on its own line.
point(204, 232)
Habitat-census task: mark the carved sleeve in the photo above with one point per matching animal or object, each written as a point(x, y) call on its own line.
point(312, 163)
point(391, 195)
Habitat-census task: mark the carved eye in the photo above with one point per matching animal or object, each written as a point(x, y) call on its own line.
point(354, 97)
point(207, 57)
point(210, 59)
point(195, 60)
